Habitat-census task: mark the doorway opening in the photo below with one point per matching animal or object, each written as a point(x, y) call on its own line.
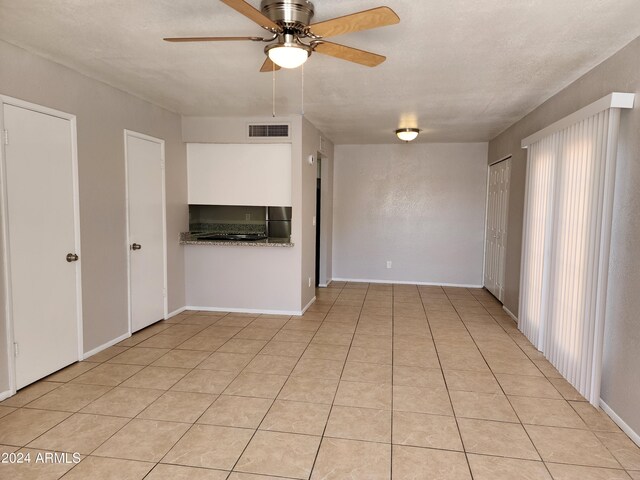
point(318, 216)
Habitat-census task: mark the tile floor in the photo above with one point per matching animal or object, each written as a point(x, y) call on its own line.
point(373, 382)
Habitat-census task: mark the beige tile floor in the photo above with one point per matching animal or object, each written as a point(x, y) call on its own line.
point(373, 382)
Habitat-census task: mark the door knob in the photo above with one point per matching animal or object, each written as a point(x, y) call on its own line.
point(136, 246)
point(72, 257)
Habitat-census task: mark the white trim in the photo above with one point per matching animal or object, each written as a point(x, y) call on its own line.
point(104, 346)
point(174, 313)
point(510, 313)
point(4, 226)
point(76, 226)
point(245, 310)
point(613, 100)
point(6, 394)
point(306, 307)
point(484, 237)
point(404, 282)
point(323, 285)
point(160, 141)
point(634, 436)
point(6, 267)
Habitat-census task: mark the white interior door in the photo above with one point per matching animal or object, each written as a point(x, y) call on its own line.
point(496, 235)
point(42, 242)
point(145, 188)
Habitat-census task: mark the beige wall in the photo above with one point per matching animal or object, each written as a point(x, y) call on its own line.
point(261, 279)
point(421, 206)
point(310, 145)
point(620, 73)
point(102, 114)
point(284, 264)
point(305, 140)
point(234, 130)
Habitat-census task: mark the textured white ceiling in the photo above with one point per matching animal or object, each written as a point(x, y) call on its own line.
point(462, 70)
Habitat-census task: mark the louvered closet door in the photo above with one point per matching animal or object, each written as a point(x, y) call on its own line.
point(496, 230)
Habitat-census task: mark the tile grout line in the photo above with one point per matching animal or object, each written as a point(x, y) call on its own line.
point(323, 322)
point(433, 340)
point(279, 391)
point(322, 437)
point(498, 382)
point(218, 396)
point(229, 384)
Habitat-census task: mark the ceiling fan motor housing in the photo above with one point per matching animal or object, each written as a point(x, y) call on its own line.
point(290, 14)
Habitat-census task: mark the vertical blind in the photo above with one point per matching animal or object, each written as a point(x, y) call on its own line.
point(566, 240)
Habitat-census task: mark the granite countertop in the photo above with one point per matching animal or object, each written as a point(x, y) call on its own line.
point(192, 238)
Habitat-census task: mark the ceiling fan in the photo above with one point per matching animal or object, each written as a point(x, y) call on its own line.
point(289, 21)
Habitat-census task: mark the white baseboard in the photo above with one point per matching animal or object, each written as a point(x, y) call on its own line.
point(510, 314)
point(6, 394)
point(311, 302)
point(404, 282)
point(621, 423)
point(104, 346)
point(175, 312)
point(245, 310)
point(325, 285)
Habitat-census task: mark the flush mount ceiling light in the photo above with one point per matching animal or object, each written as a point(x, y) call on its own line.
point(290, 53)
point(407, 134)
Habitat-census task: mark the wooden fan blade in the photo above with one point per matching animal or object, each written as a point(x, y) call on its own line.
point(251, 13)
point(350, 54)
point(269, 66)
point(356, 22)
point(212, 39)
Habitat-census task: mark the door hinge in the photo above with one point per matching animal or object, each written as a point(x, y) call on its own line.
point(5, 137)
point(15, 349)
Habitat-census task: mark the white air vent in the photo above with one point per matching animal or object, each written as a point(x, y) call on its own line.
point(321, 146)
point(269, 130)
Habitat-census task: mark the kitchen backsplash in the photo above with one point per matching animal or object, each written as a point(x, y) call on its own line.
point(227, 227)
point(227, 219)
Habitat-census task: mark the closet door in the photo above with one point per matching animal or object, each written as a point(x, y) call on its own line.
point(496, 230)
point(42, 242)
point(146, 208)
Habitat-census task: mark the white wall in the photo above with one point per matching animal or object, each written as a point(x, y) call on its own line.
point(421, 206)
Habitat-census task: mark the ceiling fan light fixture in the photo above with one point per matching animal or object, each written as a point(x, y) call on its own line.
point(407, 134)
point(288, 56)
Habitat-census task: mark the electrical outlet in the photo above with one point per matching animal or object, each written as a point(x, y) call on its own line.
point(309, 281)
point(388, 263)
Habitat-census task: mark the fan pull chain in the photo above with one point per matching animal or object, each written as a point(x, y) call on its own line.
point(273, 111)
point(302, 99)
